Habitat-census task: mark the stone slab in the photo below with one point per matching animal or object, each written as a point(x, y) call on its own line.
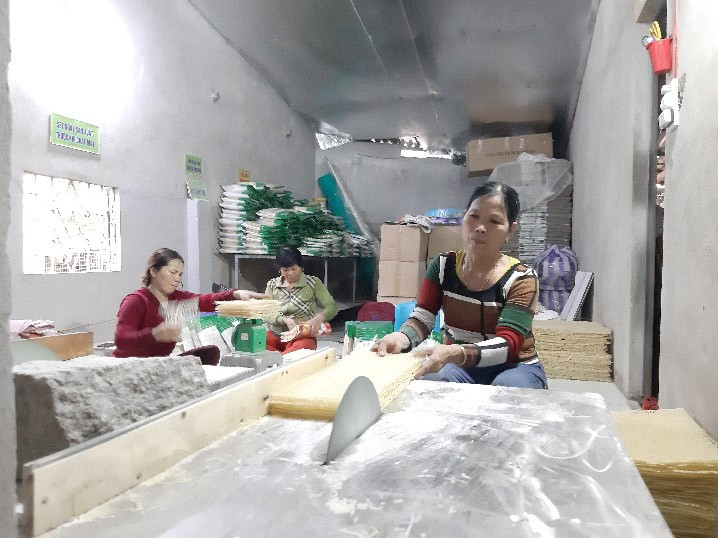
point(60, 404)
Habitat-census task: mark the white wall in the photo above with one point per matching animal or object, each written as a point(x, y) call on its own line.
point(386, 186)
point(689, 302)
point(612, 208)
point(7, 392)
point(143, 72)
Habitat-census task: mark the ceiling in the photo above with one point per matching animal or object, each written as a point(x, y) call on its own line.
point(444, 71)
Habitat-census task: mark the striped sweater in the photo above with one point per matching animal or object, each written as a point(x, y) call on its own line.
point(497, 320)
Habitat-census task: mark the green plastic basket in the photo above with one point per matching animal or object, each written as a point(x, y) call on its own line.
point(366, 330)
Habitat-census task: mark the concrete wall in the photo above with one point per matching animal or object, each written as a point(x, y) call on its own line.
point(689, 303)
point(7, 398)
point(386, 186)
point(144, 73)
point(613, 212)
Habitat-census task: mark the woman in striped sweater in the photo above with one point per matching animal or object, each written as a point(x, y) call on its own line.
point(489, 300)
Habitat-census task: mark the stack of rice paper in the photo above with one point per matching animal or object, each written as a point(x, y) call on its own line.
point(309, 227)
point(678, 461)
point(250, 309)
point(574, 349)
point(240, 204)
point(257, 219)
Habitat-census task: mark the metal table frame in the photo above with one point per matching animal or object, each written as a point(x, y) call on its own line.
point(237, 257)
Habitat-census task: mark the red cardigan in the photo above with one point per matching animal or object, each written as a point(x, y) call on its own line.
point(139, 314)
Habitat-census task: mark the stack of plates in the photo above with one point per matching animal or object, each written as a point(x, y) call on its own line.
point(678, 462)
point(573, 349)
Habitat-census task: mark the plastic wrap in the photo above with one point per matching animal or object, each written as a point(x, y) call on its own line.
point(446, 459)
point(536, 178)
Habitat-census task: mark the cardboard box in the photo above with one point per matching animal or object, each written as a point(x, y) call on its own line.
point(400, 279)
point(410, 276)
point(394, 300)
point(389, 246)
point(482, 156)
point(444, 239)
point(403, 243)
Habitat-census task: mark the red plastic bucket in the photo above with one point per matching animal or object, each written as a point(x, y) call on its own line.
point(660, 53)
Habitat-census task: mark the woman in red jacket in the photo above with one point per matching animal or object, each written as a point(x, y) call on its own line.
point(141, 330)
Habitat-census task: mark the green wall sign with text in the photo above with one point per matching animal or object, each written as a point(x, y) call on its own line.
point(74, 134)
point(193, 165)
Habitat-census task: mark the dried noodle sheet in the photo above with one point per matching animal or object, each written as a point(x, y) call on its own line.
point(252, 308)
point(317, 397)
point(574, 349)
point(678, 462)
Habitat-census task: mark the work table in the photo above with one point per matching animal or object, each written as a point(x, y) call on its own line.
point(443, 460)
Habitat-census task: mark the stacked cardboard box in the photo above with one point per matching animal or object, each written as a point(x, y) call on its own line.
point(402, 262)
point(444, 239)
point(678, 462)
point(404, 255)
point(482, 156)
point(574, 349)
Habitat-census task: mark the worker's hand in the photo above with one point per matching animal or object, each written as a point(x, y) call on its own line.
point(245, 295)
point(289, 322)
point(315, 325)
point(391, 343)
point(436, 357)
point(167, 332)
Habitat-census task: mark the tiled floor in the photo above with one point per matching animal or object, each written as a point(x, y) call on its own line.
point(615, 400)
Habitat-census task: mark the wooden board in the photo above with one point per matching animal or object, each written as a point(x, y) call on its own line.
point(317, 397)
point(69, 483)
point(67, 346)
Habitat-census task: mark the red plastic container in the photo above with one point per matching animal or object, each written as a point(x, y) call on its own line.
point(661, 57)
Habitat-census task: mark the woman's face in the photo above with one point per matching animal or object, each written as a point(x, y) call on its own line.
point(486, 225)
point(167, 279)
point(291, 274)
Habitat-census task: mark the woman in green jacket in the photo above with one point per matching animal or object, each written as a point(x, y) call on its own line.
point(305, 303)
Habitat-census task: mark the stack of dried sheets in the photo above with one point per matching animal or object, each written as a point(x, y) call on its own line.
point(317, 397)
point(679, 463)
point(574, 349)
point(253, 308)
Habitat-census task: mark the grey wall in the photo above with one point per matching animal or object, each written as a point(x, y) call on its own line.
point(144, 75)
point(7, 392)
point(386, 186)
point(689, 303)
point(613, 212)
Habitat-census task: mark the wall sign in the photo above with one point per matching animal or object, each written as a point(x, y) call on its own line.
point(193, 165)
point(74, 134)
point(244, 175)
point(196, 188)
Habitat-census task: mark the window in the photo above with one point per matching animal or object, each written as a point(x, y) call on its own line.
point(69, 226)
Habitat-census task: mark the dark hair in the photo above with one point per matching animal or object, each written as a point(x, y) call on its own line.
point(507, 194)
point(289, 255)
point(157, 260)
